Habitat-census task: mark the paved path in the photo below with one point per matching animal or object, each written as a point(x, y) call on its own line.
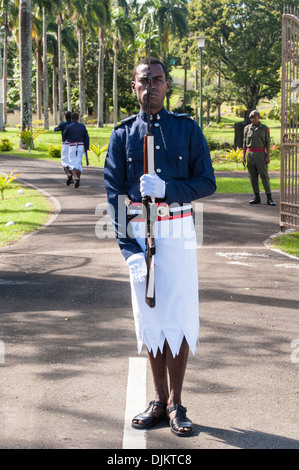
point(67, 330)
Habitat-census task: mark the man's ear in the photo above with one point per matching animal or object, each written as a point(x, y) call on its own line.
point(168, 86)
point(133, 87)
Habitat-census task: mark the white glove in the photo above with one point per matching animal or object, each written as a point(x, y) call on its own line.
point(137, 267)
point(152, 185)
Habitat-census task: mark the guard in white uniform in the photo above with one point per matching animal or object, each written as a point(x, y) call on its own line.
point(65, 147)
point(183, 173)
point(78, 141)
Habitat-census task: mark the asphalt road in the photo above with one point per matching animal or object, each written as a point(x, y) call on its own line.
point(67, 330)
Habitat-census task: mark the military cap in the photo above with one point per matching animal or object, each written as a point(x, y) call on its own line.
point(253, 112)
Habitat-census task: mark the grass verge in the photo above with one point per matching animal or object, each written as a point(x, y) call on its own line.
point(28, 211)
point(288, 243)
point(241, 185)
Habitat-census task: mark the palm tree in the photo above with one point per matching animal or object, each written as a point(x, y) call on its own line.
point(37, 44)
point(52, 47)
point(122, 32)
point(25, 51)
point(103, 17)
point(43, 8)
point(9, 10)
point(70, 48)
point(45, 71)
point(60, 68)
point(2, 125)
point(86, 18)
point(170, 17)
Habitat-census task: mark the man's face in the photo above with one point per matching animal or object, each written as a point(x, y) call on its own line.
point(255, 119)
point(160, 87)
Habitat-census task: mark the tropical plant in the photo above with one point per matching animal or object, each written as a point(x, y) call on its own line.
point(28, 135)
point(234, 155)
point(98, 150)
point(5, 144)
point(5, 182)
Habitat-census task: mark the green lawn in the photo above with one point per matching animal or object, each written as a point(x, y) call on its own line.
point(241, 185)
point(28, 211)
point(288, 242)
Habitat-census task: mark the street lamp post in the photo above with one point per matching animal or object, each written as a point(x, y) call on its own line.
point(201, 45)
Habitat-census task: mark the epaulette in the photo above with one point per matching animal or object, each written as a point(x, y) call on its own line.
point(181, 115)
point(124, 120)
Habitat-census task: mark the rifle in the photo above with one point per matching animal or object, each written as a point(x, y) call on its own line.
point(86, 158)
point(149, 207)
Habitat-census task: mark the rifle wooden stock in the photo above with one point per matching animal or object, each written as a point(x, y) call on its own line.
point(149, 207)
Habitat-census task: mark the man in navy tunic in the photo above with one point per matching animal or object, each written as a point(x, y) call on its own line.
point(77, 136)
point(183, 173)
point(65, 147)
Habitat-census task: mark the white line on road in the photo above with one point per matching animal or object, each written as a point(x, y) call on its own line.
point(135, 403)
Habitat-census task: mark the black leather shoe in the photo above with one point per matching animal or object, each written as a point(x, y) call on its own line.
point(148, 419)
point(69, 180)
point(77, 183)
point(180, 421)
point(256, 200)
point(270, 201)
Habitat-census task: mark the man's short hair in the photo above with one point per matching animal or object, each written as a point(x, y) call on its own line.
point(68, 115)
point(75, 116)
point(153, 61)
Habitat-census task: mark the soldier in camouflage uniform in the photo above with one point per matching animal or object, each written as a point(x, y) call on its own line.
point(257, 143)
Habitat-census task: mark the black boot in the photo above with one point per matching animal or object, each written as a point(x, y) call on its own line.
point(69, 179)
point(270, 201)
point(256, 200)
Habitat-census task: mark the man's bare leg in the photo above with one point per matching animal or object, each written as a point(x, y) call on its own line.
point(159, 373)
point(176, 368)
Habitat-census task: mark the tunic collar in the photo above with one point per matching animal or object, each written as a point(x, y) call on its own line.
point(154, 117)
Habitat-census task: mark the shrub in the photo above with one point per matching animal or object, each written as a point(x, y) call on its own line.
point(5, 144)
point(213, 144)
point(5, 182)
point(55, 151)
point(239, 111)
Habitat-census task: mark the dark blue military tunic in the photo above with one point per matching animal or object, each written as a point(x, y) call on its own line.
point(76, 132)
point(182, 160)
point(61, 127)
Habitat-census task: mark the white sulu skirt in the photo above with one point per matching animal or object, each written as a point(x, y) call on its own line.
point(76, 150)
point(65, 154)
point(176, 313)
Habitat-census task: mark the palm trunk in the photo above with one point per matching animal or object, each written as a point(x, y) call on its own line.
point(60, 71)
point(81, 77)
point(2, 126)
point(100, 116)
point(46, 81)
point(115, 92)
point(25, 50)
point(54, 94)
point(68, 84)
point(38, 84)
point(5, 74)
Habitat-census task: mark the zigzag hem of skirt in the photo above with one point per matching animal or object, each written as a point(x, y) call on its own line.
point(174, 339)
